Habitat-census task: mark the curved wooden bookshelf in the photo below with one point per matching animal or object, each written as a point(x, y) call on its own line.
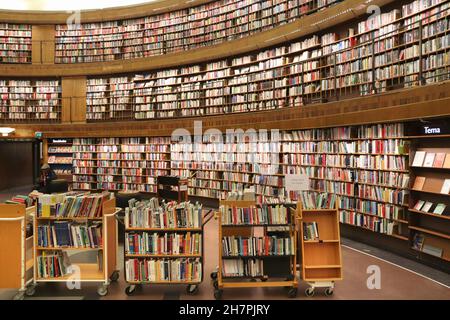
point(388, 107)
point(307, 25)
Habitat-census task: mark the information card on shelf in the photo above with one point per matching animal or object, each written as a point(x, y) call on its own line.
point(297, 182)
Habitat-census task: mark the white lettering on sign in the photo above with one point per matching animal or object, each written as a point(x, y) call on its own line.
point(429, 130)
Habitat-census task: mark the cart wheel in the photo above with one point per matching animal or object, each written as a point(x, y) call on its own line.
point(19, 296)
point(329, 291)
point(192, 289)
point(115, 276)
point(292, 293)
point(102, 290)
point(264, 279)
point(218, 294)
point(214, 275)
point(129, 291)
point(216, 284)
point(30, 291)
point(309, 292)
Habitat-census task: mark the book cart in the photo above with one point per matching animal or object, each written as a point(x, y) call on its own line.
point(16, 252)
point(321, 256)
point(104, 270)
point(275, 267)
point(191, 286)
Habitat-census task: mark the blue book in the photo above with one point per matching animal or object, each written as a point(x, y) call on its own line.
point(62, 230)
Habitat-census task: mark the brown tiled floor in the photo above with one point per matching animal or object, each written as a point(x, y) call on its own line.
point(396, 283)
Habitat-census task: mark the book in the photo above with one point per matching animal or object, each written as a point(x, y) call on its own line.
point(419, 158)
point(418, 183)
point(440, 207)
point(418, 241)
point(446, 187)
point(439, 160)
point(427, 206)
point(419, 205)
point(429, 160)
point(447, 161)
point(432, 250)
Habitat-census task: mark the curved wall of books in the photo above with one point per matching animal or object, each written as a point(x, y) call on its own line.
point(406, 46)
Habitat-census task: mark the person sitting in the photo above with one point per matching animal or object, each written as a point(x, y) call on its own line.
point(46, 176)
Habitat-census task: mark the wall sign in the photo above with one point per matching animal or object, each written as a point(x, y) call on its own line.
point(297, 182)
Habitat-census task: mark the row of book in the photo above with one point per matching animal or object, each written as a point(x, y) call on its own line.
point(261, 215)
point(393, 146)
point(159, 34)
point(163, 270)
point(431, 159)
point(15, 43)
point(67, 234)
point(52, 264)
point(233, 246)
point(420, 181)
point(30, 100)
point(151, 214)
point(66, 205)
point(242, 267)
point(426, 206)
point(163, 244)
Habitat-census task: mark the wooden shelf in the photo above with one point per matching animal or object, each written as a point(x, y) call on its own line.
point(443, 258)
point(88, 272)
point(440, 216)
point(434, 233)
point(325, 266)
point(67, 248)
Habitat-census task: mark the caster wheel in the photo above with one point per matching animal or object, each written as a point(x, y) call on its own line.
point(309, 292)
point(264, 279)
point(192, 289)
point(329, 292)
point(218, 294)
point(292, 293)
point(129, 291)
point(115, 276)
point(216, 285)
point(214, 275)
point(30, 291)
point(102, 291)
point(252, 280)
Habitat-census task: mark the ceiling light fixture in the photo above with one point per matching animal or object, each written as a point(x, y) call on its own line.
point(5, 131)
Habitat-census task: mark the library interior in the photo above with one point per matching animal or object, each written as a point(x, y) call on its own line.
point(225, 150)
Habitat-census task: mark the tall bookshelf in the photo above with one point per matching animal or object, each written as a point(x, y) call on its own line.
point(402, 48)
point(30, 100)
point(208, 24)
point(15, 43)
point(120, 164)
point(366, 166)
point(430, 199)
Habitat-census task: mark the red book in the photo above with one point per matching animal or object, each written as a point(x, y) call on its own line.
point(439, 160)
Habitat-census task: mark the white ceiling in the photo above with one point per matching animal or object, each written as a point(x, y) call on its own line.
point(64, 5)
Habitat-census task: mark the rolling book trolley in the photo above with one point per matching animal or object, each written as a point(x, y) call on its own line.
point(268, 257)
point(164, 244)
point(320, 247)
point(16, 252)
point(72, 224)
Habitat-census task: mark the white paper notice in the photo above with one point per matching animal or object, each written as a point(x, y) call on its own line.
point(297, 182)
